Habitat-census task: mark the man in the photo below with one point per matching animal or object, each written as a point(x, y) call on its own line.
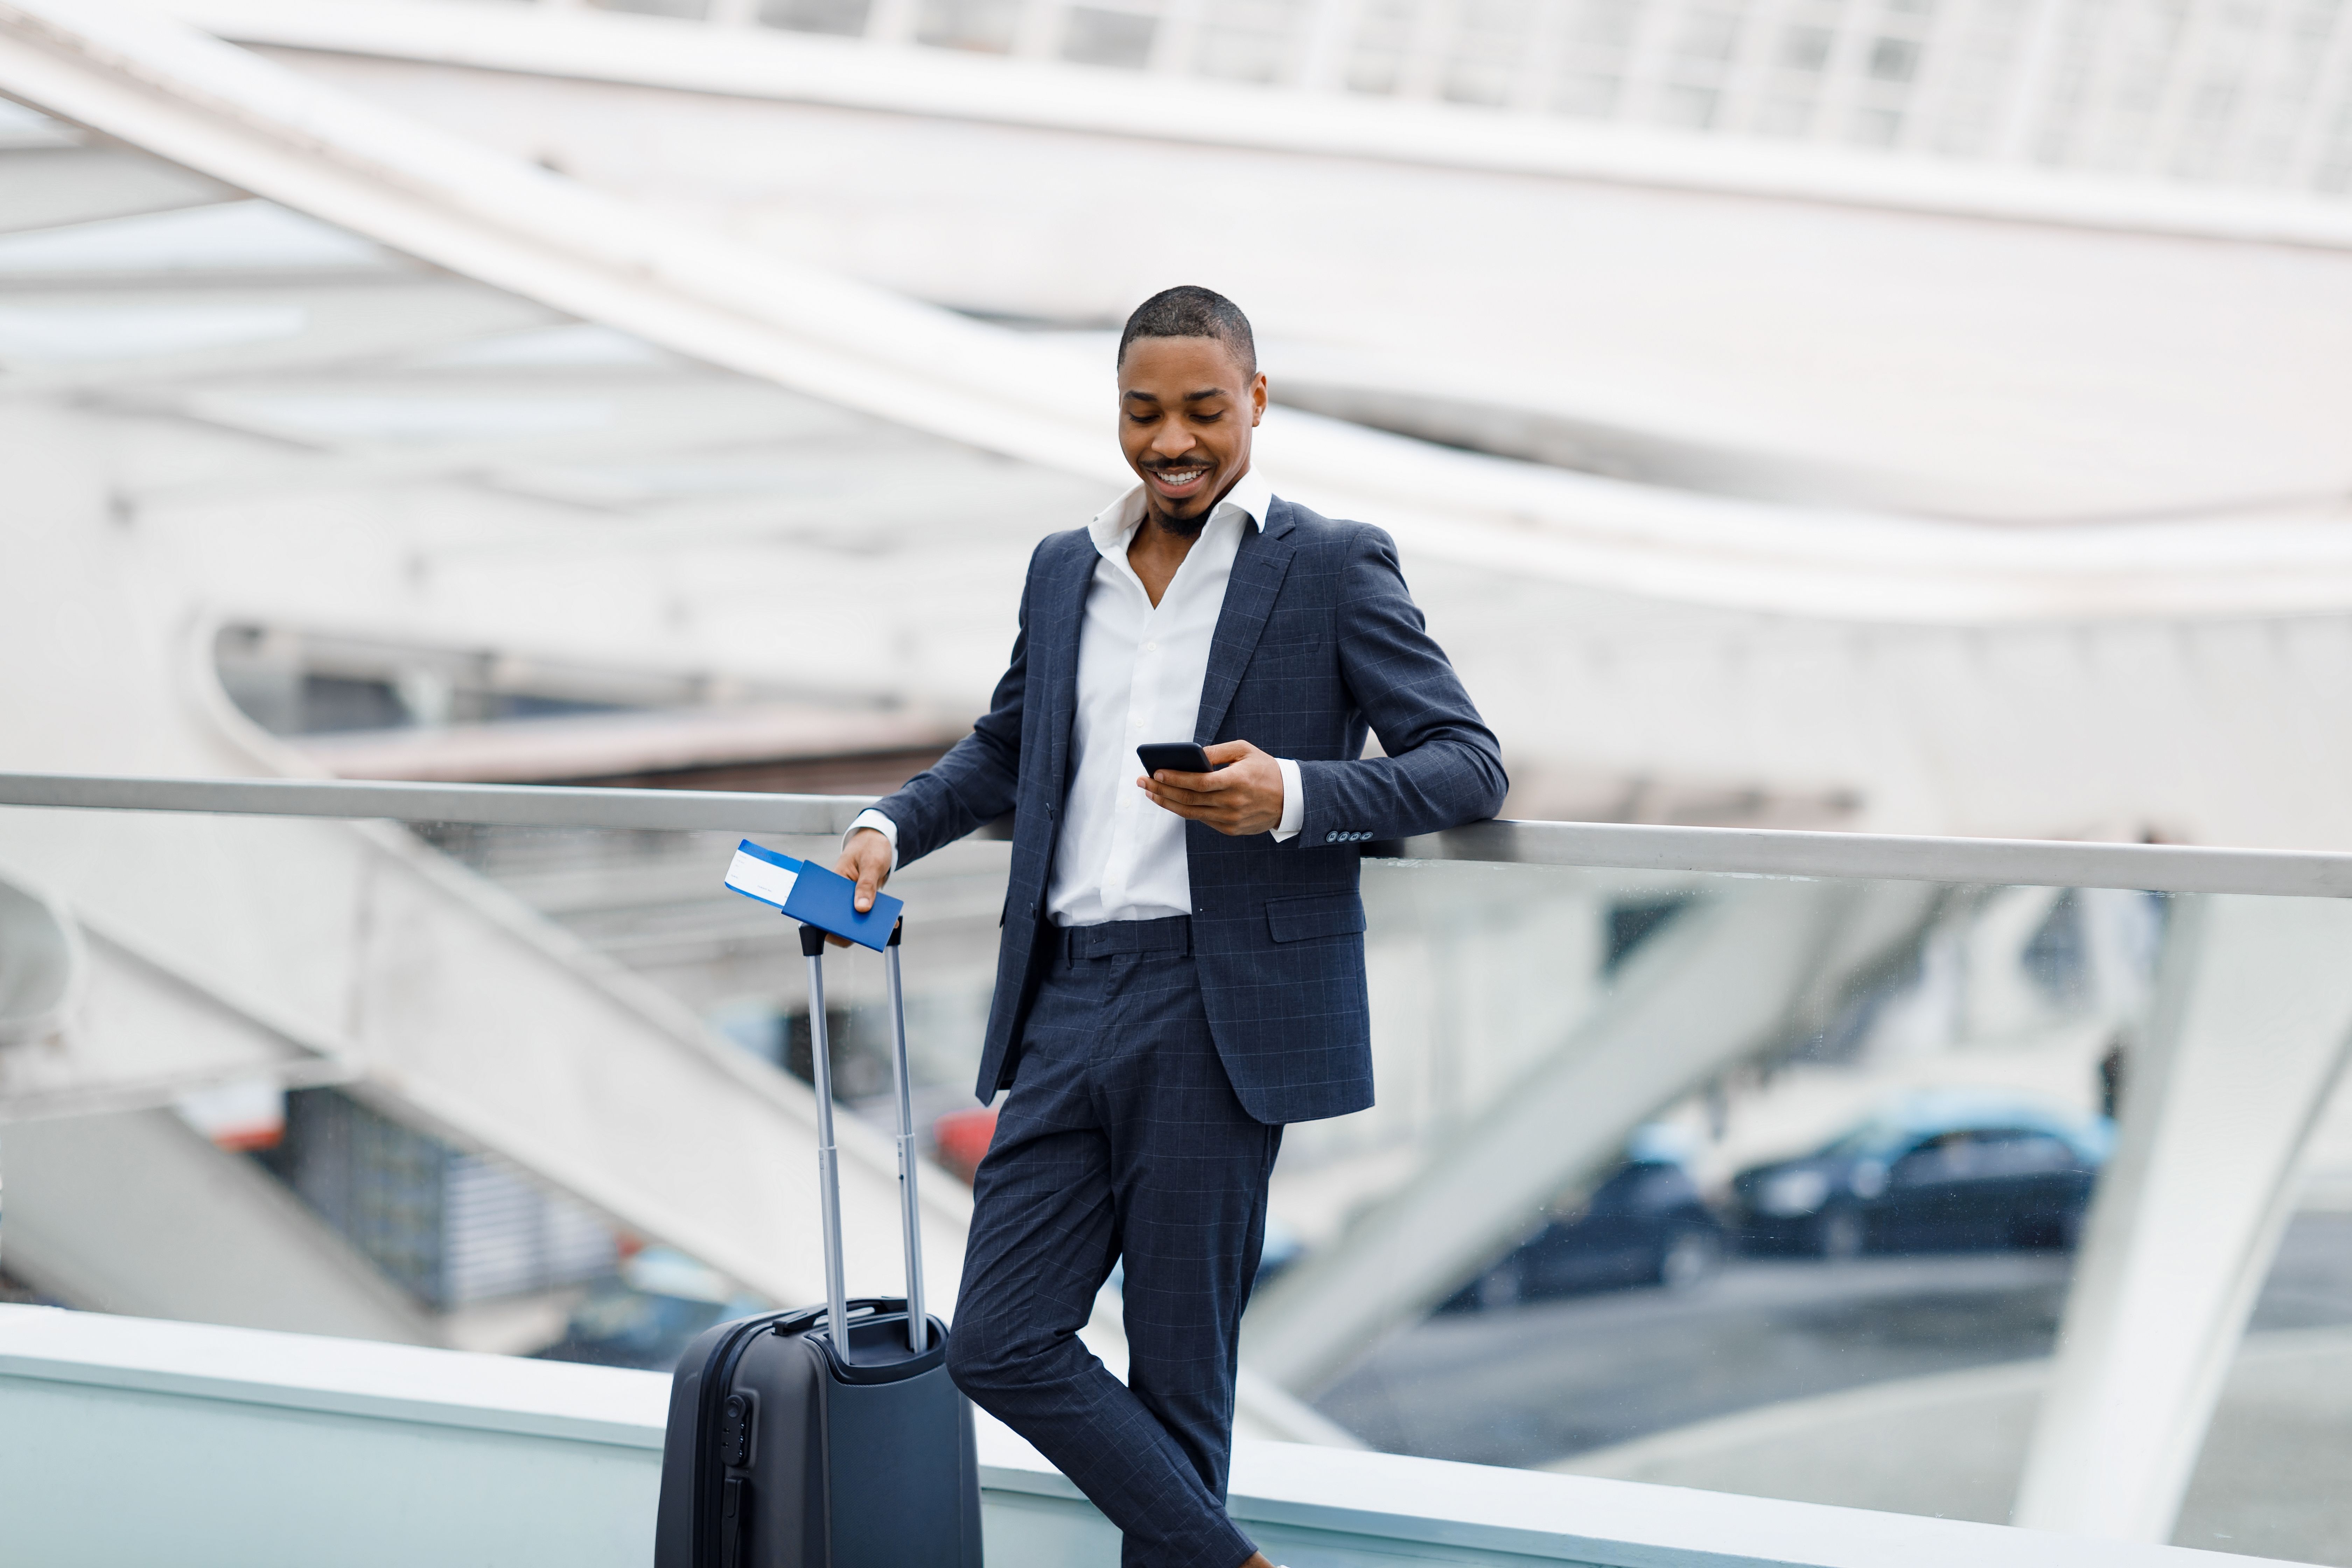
point(1182, 966)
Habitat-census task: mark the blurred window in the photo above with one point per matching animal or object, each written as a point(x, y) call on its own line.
point(845, 19)
point(692, 10)
point(1097, 37)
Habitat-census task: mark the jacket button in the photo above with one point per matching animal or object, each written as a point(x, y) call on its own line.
point(1330, 838)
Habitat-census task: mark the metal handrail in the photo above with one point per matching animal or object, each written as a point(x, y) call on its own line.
point(1741, 851)
point(500, 806)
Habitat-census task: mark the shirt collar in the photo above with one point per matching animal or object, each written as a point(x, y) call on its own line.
point(1116, 524)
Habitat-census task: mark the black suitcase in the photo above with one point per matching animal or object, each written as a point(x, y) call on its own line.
point(787, 1450)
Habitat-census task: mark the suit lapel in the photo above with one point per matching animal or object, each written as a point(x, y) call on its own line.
point(1256, 580)
point(1055, 615)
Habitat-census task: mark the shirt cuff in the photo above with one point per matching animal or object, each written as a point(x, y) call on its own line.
point(888, 829)
point(1294, 803)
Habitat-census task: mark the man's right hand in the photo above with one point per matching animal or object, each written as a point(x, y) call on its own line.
point(865, 860)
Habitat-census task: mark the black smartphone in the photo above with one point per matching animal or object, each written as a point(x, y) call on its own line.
point(1175, 757)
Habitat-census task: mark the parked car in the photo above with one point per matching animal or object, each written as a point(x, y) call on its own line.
point(1941, 1172)
point(1645, 1223)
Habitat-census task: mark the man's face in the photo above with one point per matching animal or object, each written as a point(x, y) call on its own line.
point(1186, 409)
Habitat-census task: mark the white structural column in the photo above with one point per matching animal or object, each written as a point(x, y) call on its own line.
point(2252, 1016)
point(1330, 42)
point(2023, 111)
point(1718, 983)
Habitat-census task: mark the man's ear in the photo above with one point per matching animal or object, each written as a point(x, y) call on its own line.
point(1258, 397)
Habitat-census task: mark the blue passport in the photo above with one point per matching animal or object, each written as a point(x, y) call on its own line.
point(811, 895)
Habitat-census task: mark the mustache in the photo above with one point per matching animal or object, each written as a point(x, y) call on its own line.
point(1165, 464)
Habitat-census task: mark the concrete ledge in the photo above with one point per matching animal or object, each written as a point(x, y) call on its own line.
point(1443, 1512)
point(359, 1378)
point(130, 1441)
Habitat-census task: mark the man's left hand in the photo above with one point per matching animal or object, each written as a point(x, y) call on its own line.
point(1241, 797)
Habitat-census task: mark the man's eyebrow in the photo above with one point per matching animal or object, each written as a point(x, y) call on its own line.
point(1204, 393)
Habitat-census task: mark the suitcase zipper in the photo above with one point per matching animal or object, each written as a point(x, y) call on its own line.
point(714, 1519)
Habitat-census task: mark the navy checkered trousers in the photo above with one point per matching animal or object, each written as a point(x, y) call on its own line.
point(1152, 1064)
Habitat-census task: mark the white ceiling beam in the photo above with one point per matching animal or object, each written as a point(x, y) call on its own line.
point(214, 108)
point(43, 187)
point(654, 51)
point(350, 325)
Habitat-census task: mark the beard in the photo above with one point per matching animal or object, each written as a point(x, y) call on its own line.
point(1185, 528)
point(1188, 528)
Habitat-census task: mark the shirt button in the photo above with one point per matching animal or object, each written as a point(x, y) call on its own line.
point(1151, 647)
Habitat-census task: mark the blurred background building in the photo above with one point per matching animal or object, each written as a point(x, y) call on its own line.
point(1915, 417)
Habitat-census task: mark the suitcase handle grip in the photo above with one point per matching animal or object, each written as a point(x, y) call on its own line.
point(806, 1318)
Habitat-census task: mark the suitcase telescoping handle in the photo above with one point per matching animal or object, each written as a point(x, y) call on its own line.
point(828, 1155)
point(918, 1327)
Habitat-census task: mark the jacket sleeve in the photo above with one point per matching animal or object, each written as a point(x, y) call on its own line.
point(975, 784)
point(1444, 766)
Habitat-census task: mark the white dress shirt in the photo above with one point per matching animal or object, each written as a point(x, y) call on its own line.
point(1140, 669)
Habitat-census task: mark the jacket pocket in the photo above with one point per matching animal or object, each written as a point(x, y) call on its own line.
point(1326, 914)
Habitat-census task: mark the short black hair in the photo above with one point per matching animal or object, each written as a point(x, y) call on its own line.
point(1189, 312)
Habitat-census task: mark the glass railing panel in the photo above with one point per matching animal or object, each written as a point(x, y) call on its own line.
point(1783, 1186)
point(1831, 1247)
point(533, 1091)
point(1766, 1229)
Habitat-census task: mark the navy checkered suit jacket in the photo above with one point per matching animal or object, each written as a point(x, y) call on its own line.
point(1318, 644)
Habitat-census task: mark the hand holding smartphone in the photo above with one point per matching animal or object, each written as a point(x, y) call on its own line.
point(1175, 757)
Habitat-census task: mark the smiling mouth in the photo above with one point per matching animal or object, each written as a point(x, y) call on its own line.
point(1179, 478)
